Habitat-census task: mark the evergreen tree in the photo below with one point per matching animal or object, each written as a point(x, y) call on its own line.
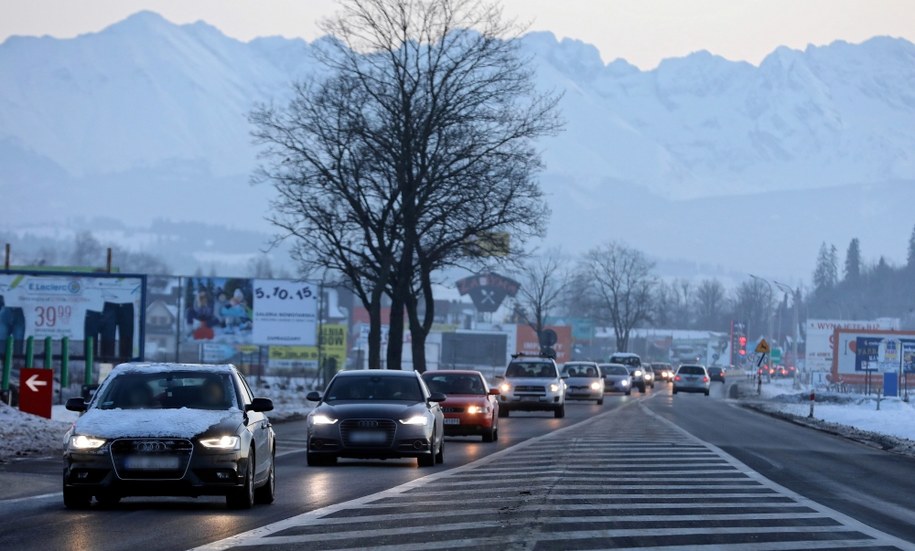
point(911, 256)
point(825, 275)
point(853, 261)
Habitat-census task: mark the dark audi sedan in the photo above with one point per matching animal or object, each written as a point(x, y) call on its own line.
point(171, 430)
point(374, 414)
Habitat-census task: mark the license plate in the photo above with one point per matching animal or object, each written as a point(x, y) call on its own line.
point(151, 462)
point(368, 437)
point(452, 421)
point(529, 398)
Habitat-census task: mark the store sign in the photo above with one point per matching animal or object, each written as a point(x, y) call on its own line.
point(487, 291)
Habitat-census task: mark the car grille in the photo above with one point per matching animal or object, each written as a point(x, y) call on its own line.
point(151, 458)
point(349, 427)
point(530, 389)
point(578, 387)
point(452, 410)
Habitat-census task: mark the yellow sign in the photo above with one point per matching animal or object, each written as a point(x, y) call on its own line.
point(763, 347)
point(333, 345)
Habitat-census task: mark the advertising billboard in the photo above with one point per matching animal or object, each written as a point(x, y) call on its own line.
point(820, 342)
point(333, 347)
point(270, 312)
point(527, 343)
point(859, 351)
point(110, 308)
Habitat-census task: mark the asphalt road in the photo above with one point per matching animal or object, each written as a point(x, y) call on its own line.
point(869, 485)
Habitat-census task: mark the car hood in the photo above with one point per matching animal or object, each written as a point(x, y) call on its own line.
point(533, 381)
point(155, 423)
point(616, 377)
point(357, 410)
point(465, 400)
point(581, 381)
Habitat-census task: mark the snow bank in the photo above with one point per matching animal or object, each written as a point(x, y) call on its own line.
point(23, 434)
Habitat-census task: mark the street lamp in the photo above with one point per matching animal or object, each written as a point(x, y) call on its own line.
point(795, 307)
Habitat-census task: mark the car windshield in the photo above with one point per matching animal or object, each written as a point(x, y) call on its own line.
point(455, 383)
point(691, 370)
point(374, 388)
point(168, 390)
point(614, 370)
point(629, 361)
point(580, 370)
point(531, 369)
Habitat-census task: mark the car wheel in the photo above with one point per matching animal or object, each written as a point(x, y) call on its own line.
point(675, 390)
point(440, 456)
point(489, 435)
point(642, 388)
point(426, 460)
point(76, 499)
point(108, 500)
point(320, 460)
point(503, 411)
point(600, 402)
point(243, 498)
point(266, 494)
point(706, 392)
point(560, 412)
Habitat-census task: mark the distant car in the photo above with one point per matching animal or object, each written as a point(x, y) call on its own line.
point(648, 375)
point(616, 378)
point(471, 407)
point(691, 378)
point(532, 383)
point(583, 381)
point(716, 373)
point(634, 364)
point(376, 414)
point(663, 371)
point(171, 430)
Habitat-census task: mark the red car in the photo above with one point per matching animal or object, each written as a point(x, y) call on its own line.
point(471, 407)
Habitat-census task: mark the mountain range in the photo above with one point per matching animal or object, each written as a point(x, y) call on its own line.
point(722, 165)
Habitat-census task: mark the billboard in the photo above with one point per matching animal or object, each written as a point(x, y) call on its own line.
point(820, 338)
point(110, 308)
point(527, 343)
point(333, 347)
point(271, 312)
point(862, 350)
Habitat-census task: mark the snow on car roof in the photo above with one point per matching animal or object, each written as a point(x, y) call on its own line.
point(159, 367)
point(624, 355)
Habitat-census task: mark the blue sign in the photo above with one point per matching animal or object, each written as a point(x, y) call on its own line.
point(867, 353)
point(891, 384)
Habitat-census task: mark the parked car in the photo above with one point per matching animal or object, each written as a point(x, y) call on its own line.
point(663, 371)
point(170, 430)
point(532, 383)
point(616, 378)
point(634, 364)
point(376, 414)
point(583, 381)
point(691, 378)
point(471, 407)
point(716, 373)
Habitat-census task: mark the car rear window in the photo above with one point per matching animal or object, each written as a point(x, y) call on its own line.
point(580, 370)
point(455, 383)
point(691, 370)
point(531, 369)
point(631, 361)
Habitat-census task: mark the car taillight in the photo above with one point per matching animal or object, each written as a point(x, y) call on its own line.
point(704, 379)
point(677, 378)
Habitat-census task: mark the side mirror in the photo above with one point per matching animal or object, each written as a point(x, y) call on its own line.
point(494, 392)
point(565, 375)
point(76, 404)
point(313, 396)
point(260, 404)
point(437, 397)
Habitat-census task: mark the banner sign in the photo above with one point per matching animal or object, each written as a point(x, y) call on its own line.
point(333, 345)
point(487, 291)
point(109, 308)
point(820, 338)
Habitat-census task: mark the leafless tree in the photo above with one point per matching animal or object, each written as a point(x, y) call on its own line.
point(753, 303)
point(622, 279)
point(544, 283)
point(710, 303)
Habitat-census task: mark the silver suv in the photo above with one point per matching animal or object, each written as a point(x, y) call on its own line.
point(532, 383)
point(634, 364)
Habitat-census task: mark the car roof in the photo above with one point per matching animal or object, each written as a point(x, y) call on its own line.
point(693, 365)
point(624, 355)
point(452, 372)
point(378, 372)
point(161, 367)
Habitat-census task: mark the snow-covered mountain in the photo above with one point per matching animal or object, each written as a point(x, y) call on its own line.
point(701, 158)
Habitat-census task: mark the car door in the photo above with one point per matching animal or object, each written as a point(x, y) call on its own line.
point(258, 426)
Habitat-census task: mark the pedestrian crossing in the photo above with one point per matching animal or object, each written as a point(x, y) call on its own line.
point(626, 479)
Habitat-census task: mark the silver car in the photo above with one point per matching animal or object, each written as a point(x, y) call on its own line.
point(583, 381)
point(616, 378)
point(692, 378)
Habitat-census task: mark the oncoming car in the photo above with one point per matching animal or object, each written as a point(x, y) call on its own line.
point(170, 430)
point(583, 381)
point(663, 371)
point(532, 383)
point(616, 378)
point(471, 407)
point(376, 414)
point(634, 364)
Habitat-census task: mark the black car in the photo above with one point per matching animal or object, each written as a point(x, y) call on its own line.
point(716, 373)
point(171, 430)
point(374, 414)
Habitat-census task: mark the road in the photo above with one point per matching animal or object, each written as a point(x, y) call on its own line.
point(610, 474)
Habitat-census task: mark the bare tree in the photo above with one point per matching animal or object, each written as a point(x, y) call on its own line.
point(623, 281)
point(753, 303)
point(710, 302)
point(87, 251)
point(260, 267)
point(544, 283)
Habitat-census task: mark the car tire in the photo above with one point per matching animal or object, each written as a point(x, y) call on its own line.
point(629, 392)
point(108, 500)
point(76, 499)
point(560, 412)
point(320, 460)
point(266, 494)
point(440, 456)
point(489, 435)
point(503, 411)
point(426, 460)
point(600, 402)
point(243, 498)
point(706, 392)
point(642, 388)
point(675, 390)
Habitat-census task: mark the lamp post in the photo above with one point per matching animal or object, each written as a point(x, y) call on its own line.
point(795, 306)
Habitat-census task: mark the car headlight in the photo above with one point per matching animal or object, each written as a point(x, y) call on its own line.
point(595, 386)
point(421, 420)
point(637, 373)
point(625, 382)
point(504, 388)
point(321, 419)
point(81, 442)
point(221, 443)
point(554, 387)
point(477, 409)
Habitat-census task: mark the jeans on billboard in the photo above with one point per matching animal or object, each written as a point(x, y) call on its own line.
point(12, 324)
point(113, 325)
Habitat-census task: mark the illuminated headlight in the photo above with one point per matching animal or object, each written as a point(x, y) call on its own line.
point(81, 442)
point(595, 386)
point(221, 443)
point(420, 420)
point(321, 419)
point(504, 388)
point(625, 382)
point(638, 373)
point(477, 409)
point(554, 387)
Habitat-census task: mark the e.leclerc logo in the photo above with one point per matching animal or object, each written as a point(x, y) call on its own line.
point(74, 287)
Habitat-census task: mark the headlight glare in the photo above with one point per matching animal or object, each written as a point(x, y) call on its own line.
point(81, 442)
point(477, 409)
point(505, 387)
point(421, 420)
point(321, 419)
point(554, 387)
point(595, 386)
point(638, 373)
point(221, 443)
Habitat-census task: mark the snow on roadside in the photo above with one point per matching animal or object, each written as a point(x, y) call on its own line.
point(289, 403)
point(26, 435)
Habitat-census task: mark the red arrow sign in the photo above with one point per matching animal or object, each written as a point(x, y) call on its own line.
point(36, 391)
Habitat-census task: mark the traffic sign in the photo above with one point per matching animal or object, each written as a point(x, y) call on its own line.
point(776, 355)
point(36, 391)
point(763, 347)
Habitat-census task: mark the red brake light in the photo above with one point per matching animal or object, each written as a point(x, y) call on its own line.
point(677, 378)
point(704, 379)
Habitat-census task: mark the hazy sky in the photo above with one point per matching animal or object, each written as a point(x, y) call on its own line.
point(641, 31)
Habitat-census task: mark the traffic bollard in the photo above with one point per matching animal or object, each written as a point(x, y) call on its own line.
point(812, 400)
